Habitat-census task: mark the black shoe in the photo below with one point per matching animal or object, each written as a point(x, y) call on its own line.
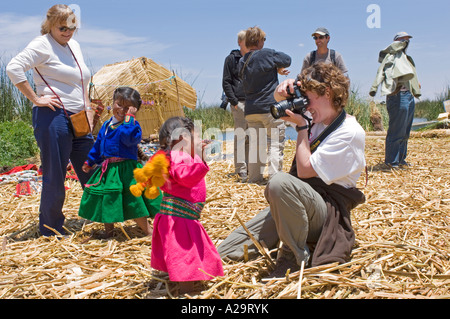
point(282, 266)
point(284, 262)
point(404, 165)
point(243, 178)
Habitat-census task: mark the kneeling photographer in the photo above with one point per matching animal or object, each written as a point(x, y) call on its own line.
point(312, 203)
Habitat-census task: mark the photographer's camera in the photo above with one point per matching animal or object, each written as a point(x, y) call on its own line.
point(296, 104)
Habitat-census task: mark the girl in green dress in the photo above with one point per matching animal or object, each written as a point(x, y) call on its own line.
point(106, 197)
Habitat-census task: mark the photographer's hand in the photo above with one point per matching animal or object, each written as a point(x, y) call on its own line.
point(295, 118)
point(281, 92)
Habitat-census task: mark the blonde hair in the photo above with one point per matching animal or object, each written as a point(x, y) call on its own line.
point(253, 36)
point(320, 76)
point(241, 35)
point(58, 14)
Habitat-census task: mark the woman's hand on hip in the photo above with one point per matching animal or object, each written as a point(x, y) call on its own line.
point(51, 102)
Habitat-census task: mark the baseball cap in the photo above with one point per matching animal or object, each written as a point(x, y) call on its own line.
point(321, 31)
point(401, 35)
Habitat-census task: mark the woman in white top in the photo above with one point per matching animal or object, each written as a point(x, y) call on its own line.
point(61, 78)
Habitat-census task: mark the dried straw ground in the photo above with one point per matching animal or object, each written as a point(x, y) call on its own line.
point(401, 251)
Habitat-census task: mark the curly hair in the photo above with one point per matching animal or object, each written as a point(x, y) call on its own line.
point(320, 76)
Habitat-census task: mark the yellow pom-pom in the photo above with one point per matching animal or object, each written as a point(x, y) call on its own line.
point(148, 169)
point(151, 176)
point(160, 160)
point(158, 181)
point(139, 175)
point(137, 189)
point(151, 192)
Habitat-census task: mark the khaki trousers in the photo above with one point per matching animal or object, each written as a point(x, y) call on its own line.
point(296, 216)
point(298, 211)
point(266, 138)
point(240, 139)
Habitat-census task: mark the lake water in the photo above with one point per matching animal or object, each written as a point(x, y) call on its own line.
point(291, 134)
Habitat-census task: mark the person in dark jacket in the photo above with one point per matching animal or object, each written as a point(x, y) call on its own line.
point(232, 87)
point(258, 70)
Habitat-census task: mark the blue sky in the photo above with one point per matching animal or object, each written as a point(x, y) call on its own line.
point(194, 37)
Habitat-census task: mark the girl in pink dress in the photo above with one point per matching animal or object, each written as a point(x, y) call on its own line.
point(180, 245)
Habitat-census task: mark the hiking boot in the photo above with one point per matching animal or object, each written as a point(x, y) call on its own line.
point(243, 178)
point(285, 261)
point(404, 165)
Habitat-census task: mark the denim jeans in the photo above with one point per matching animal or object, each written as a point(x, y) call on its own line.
point(57, 146)
point(400, 109)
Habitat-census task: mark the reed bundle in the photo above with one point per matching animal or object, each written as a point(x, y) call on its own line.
point(402, 245)
point(163, 93)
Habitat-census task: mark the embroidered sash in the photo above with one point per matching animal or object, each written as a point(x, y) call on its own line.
point(176, 206)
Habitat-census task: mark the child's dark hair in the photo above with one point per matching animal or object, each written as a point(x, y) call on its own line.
point(172, 129)
point(124, 93)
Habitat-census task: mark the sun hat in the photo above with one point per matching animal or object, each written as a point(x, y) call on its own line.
point(401, 35)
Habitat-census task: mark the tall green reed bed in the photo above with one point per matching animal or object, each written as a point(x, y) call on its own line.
point(13, 104)
point(16, 134)
point(362, 107)
point(211, 117)
point(430, 109)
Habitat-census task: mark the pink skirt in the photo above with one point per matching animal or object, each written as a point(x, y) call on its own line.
point(181, 247)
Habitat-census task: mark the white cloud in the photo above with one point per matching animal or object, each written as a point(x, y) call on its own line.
point(99, 46)
point(16, 32)
point(102, 46)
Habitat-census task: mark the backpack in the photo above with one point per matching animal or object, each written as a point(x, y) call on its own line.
point(313, 57)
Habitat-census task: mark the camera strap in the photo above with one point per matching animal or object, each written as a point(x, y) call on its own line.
point(330, 128)
point(314, 144)
point(82, 84)
point(245, 65)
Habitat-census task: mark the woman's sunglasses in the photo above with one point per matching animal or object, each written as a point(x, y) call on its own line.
point(65, 29)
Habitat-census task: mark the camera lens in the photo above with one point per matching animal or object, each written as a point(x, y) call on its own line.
point(278, 109)
point(275, 112)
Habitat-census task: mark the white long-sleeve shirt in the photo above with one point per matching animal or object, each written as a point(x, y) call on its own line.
point(58, 67)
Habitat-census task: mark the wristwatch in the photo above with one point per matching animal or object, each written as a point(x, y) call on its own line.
point(301, 128)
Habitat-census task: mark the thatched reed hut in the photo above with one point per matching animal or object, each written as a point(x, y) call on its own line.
point(163, 93)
